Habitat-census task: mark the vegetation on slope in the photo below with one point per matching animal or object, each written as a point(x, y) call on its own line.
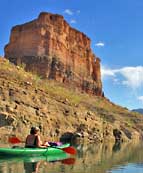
point(26, 100)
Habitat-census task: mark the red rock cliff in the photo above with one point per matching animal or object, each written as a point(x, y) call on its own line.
point(51, 48)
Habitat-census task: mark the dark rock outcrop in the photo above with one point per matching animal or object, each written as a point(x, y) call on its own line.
point(49, 47)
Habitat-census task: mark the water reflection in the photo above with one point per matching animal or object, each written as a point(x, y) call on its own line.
point(104, 157)
point(99, 158)
point(117, 146)
point(31, 167)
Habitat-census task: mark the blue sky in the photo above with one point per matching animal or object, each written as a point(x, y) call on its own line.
point(115, 28)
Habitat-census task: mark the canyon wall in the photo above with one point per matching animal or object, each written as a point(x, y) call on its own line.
point(49, 47)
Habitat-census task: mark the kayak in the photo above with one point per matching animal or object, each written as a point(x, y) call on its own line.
point(21, 151)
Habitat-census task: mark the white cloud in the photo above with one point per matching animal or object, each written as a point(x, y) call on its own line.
point(107, 72)
point(68, 11)
point(140, 98)
point(100, 44)
point(131, 76)
point(73, 21)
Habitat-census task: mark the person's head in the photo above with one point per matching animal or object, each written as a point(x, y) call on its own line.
point(34, 130)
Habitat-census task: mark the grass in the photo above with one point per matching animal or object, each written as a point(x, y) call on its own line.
point(53, 88)
point(56, 89)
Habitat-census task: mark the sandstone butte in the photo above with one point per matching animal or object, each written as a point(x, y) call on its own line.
point(51, 48)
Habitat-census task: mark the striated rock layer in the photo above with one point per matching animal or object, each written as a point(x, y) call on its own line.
point(49, 47)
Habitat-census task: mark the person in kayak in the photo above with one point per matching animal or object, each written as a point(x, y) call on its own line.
point(33, 139)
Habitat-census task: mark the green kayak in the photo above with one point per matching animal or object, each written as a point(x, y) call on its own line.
point(11, 152)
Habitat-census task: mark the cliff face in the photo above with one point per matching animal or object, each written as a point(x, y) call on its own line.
point(49, 47)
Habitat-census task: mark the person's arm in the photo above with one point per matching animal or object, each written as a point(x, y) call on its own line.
point(39, 143)
point(46, 144)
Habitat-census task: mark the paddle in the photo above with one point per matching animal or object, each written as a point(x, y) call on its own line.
point(14, 140)
point(69, 150)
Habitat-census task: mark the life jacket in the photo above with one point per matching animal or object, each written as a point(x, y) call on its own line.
point(34, 145)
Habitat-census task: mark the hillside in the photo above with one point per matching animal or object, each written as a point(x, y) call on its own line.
point(27, 100)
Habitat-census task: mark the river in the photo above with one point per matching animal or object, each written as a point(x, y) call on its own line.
point(93, 158)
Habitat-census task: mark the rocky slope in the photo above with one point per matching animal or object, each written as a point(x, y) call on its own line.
point(51, 48)
point(27, 100)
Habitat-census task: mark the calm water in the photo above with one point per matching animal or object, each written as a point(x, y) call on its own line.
point(105, 158)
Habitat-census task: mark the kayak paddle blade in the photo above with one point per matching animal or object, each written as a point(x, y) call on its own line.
point(14, 140)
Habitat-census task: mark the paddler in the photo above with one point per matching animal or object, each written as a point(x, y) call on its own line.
point(33, 140)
